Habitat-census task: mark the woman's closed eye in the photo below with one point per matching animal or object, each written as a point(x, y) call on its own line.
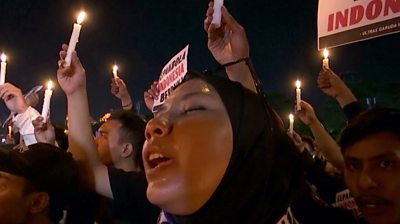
point(192, 109)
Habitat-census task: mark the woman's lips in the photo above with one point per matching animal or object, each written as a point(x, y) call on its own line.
point(157, 160)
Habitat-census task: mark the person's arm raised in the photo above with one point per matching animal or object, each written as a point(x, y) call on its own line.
point(229, 43)
point(326, 144)
point(72, 80)
point(333, 86)
point(120, 90)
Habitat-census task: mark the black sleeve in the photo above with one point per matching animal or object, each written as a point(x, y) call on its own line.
point(130, 201)
point(352, 109)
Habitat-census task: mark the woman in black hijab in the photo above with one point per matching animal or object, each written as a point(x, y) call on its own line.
point(213, 155)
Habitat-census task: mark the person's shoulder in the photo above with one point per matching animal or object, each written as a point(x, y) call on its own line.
point(125, 176)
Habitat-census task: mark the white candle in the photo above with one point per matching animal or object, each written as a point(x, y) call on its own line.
point(9, 131)
point(325, 61)
point(74, 38)
point(46, 102)
point(115, 71)
point(291, 121)
point(298, 95)
point(217, 13)
point(3, 69)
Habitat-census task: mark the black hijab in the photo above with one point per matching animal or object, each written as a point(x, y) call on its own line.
point(264, 174)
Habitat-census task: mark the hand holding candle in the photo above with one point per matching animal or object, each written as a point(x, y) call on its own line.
point(291, 121)
point(325, 61)
point(3, 69)
point(298, 95)
point(217, 13)
point(46, 102)
point(74, 38)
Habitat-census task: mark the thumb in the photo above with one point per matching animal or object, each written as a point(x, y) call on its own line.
point(75, 60)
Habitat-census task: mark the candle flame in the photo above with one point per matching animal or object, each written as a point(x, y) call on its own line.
point(3, 57)
point(326, 53)
point(291, 117)
point(81, 17)
point(298, 84)
point(9, 130)
point(115, 68)
point(49, 85)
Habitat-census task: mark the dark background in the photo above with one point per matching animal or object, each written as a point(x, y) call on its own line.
point(141, 36)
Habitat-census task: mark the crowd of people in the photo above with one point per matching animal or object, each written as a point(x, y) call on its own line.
point(214, 152)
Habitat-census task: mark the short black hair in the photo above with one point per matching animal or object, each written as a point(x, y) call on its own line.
point(132, 131)
point(374, 121)
point(47, 169)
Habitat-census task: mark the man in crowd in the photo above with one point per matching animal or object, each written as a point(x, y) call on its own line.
point(37, 185)
point(371, 149)
point(127, 189)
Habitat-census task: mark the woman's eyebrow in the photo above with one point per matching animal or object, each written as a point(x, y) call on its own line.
point(195, 94)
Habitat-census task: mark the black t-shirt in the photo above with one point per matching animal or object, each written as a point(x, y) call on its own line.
point(130, 201)
point(326, 200)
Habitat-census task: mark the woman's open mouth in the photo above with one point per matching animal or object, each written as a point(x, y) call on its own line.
point(157, 160)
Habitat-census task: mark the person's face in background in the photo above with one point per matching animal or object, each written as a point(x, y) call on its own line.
point(107, 142)
point(188, 147)
point(32, 99)
point(372, 174)
point(14, 203)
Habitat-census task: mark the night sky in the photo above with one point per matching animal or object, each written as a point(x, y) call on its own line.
point(141, 36)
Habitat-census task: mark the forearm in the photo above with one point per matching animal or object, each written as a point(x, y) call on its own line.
point(81, 140)
point(82, 146)
point(352, 110)
point(327, 145)
point(241, 73)
point(345, 97)
point(126, 102)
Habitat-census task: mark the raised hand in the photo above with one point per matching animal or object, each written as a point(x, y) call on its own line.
point(307, 114)
point(13, 98)
point(44, 132)
point(333, 86)
point(229, 42)
point(150, 95)
point(72, 78)
point(120, 90)
point(297, 140)
point(330, 83)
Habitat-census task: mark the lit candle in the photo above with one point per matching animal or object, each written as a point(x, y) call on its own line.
point(325, 61)
point(298, 95)
point(46, 102)
point(115, 71)
point(9, 131)
point(74, 38)
point(3, 69)
point(217, 13)
point(291, 121)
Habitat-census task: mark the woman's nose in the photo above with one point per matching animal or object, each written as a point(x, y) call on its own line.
point(157, 127)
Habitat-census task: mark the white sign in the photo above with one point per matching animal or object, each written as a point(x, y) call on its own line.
point(346, 21)
point(171, 75)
